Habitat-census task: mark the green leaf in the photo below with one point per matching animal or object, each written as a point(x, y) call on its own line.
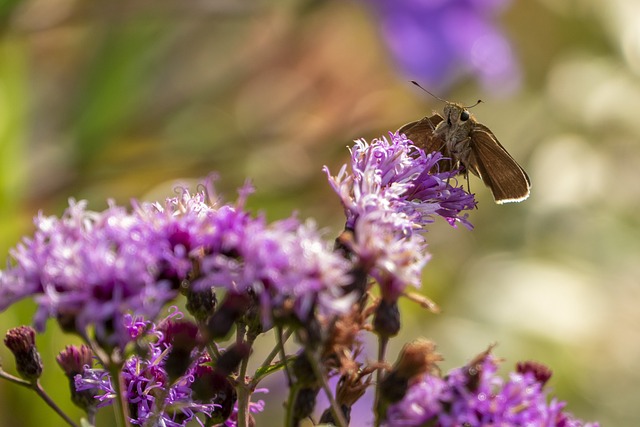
point(265, 371)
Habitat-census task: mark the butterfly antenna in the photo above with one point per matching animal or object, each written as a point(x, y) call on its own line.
point(479, 101)
point(436, 97)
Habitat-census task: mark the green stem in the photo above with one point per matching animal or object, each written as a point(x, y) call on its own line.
point(214, 353)
point(243, 386)
point(338, 416)
point(293, 393)
point(44, 396)
point(91, 415)
point(120, 406)
point(241, 331)
point(382, 350)
point(14, 380)
point(283, 354)
point(35, 386)
point(274, 352)
point(243, 404)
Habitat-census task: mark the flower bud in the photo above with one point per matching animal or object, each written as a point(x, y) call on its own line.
point(220, 323)
point(541, 372)
point(201, 304)
point(210, 386)
point(327, 415)
point(304, 403)
point(386, 321)
point(22, 343)
point(183, 337)
point(416, 358)
point(72, 360)
point(230, 359)
point(473, 369)
point(303, 370)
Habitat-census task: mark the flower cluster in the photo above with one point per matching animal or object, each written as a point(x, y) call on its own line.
point(394, 179)
point(389, 195)
point(89, 269)
point(283, 262)
point(475, 395)
point(108, 275)
point(156, 394)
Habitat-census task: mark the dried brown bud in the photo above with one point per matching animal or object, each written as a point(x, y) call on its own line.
point(343, 335)
point(541, 372)
point(22, 343)
point(473, 369)
point(393, 387)
point(417, 358)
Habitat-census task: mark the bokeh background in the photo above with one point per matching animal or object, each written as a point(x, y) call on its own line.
point(120, 99)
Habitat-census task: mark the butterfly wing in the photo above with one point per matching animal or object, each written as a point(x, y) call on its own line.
point(497, 169)
point(422, 134)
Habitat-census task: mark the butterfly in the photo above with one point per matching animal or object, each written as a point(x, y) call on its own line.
point(471, 147)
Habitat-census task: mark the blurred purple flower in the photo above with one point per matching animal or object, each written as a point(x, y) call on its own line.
point(437, 42)
point(279, 262)
point(476, 396)
point(90, 269)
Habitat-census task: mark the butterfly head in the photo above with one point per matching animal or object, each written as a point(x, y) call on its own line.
point(456, 115)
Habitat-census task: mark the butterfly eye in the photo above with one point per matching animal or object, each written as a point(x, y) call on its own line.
point(464, 116)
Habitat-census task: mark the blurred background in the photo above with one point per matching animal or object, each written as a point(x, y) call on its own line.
point(121, 99)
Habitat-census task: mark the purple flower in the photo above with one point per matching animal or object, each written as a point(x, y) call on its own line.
point(89, 268)
point(439, 41)
point(476, 396)
point(292, 262)
point(254, 408)
point(394, 177)
point(149, 390)
point(389, 195)
point(279, 262)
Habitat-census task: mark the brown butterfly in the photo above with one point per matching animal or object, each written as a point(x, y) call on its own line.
point(465, 142)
